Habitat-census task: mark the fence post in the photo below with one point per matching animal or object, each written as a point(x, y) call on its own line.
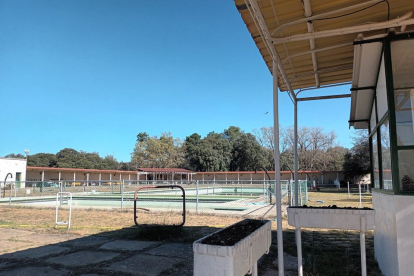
point(197, 196)
point(241, 189)
point(122, 194)
point(306, 194)
point(11, 190)
point(300, 193)
point(61, 196)
point(264, 196)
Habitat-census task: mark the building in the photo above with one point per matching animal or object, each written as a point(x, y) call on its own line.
point(14, 169)
point(369, 46)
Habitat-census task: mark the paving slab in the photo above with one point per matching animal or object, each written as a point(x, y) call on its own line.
point(145, 265)
point(86, 241)
point(35, 253)
point(180, 250)
point(82, 258)
point(4, 264)
point(30, 271)
point(125, 245)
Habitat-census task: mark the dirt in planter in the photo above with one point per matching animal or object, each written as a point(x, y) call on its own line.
point(235, 233)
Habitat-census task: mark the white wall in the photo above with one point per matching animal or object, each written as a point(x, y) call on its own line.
point(394, 233)
point(13, 166)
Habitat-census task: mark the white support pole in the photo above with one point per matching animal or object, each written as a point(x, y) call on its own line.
point(299, 244)
point(100, 178)
point(295, 148)
point(43, 176)
point(277, 171)
point(251, 178)
point(74, 178)
point(60, 176)
point(360, 201)
point(349, 195)
point(362, 244)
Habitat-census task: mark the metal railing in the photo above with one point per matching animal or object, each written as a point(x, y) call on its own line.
point(247, 197)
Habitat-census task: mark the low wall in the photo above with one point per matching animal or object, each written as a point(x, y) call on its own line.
point(394, 233)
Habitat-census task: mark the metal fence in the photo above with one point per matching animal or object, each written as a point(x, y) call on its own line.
point(245, 198)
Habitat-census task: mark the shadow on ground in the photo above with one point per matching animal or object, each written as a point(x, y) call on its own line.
point(128, 251)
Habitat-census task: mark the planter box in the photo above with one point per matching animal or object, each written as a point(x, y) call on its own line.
point(238, 259)
point(331, 218)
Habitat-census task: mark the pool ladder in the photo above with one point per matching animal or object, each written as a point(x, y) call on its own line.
point(59, 203)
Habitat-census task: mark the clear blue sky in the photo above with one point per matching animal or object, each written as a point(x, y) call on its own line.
point(91, 74)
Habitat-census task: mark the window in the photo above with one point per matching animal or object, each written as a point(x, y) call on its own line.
point(375, 160)
point(373, 120)
point(381, 92)
point(386, 156)
point(404, 113)
point(406, 165)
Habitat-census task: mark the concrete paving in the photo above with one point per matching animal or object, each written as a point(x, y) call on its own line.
point(91, 256)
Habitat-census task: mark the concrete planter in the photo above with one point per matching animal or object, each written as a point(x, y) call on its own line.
point(237, 260)
point(332, 218)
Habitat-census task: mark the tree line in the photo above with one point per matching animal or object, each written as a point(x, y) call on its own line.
point(230, 150)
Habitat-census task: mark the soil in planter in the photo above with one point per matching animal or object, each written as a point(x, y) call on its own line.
point(235, 233)
point(331, 207)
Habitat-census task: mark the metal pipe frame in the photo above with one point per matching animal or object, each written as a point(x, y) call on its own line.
point(325, 14)
point(157, 187)
point(397, 22)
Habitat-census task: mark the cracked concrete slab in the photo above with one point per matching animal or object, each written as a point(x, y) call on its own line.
point(145, 265)
point(181, 250)
point(125, 245)
point(82, 258)
point(30, 270)
point(86, 241)
point(36, 253)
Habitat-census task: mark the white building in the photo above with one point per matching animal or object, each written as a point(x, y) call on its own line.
point(16, 167)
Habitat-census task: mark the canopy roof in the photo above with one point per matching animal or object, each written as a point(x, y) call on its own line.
point(314, 38)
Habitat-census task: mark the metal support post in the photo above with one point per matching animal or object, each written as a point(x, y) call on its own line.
point(295, 147)
point(277, 171)
point(197, 196)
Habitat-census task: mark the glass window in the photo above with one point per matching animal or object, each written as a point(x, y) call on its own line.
point(381, 92)
point(406, 164)
point(375, 160)
point(386, 156)
point(404, 113)
point(373, 120)
point(402, 55)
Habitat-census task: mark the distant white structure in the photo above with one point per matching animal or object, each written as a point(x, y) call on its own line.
point(17, 168)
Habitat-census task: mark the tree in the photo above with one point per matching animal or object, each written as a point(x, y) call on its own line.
point(68, 158)
point(357, 160)
point(12, 155)
point(248, 155)
point(42, 160)
point(317, 149)
point(163, 152)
